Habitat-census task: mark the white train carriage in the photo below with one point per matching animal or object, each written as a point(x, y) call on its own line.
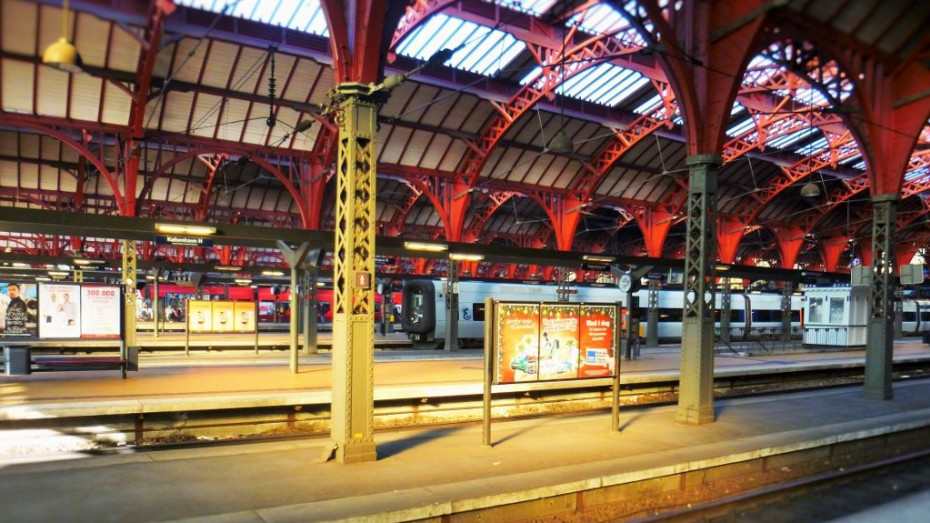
point(915, 317)
point(424, 310)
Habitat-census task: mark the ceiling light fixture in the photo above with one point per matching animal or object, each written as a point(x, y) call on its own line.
point(272, 273)
point(598, 259)
point(243, 281)
point(464, 256)
point(177, 228)
point(229, 268)
point(426, 246)
point(62, 54)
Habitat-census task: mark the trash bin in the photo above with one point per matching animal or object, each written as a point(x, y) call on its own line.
point(18, 360)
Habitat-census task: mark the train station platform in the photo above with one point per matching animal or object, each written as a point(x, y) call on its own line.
point(566, 468)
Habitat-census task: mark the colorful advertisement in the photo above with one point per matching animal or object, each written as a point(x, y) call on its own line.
point(597, 340)
point(244, 312)
point(18, 309)
point(59, 310)
point(101, 311)
point(200, 316)
point(224, 316)
point(517, 341)
point(558, 343)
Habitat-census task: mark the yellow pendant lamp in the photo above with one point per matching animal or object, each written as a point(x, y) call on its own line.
point(62, 54)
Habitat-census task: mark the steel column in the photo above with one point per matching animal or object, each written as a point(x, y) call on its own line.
point(311, 311)
point(652, 315)
point(696, 390)
point(786, 311)
point(294, 257)
point(452, 307)
point(354, 270)
point(725, 308)
point(129, 283)
point(879, 351)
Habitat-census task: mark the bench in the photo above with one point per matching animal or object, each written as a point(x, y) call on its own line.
point(18, 361)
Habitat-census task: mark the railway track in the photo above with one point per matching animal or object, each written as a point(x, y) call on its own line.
point(425, 407)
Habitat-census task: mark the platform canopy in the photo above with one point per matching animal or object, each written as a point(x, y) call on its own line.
point(521, 124)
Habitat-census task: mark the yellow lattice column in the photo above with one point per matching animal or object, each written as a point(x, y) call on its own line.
point(354, 268)
point(129, 281)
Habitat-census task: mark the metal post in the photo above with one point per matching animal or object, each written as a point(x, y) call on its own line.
point(725, 309)
point(352, 419)
point(652, 315)
point(786, 312)
point(696, 390)
point(129, 298)
point(155, 303)
point(452, 307)
point(879, 351)
point(311, 309)
point(294, 305)
point(187, 328)
point(255, 312)
point(491, 317)
point(615, 386)
point(898, 315)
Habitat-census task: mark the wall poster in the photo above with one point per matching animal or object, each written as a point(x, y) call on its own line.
point(223, 316)
point(18, 309)
point(200, 316)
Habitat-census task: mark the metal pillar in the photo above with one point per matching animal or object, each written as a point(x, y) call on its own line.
point(129, 301)
point(879, 351)
point(294, 257)
point(311, 313)
point(726, 306)
point(354, 270)
point(898, 315)
point(155, 314)
point(652, 315)
point(452, 307)
point(696, 389)
point(786, 311)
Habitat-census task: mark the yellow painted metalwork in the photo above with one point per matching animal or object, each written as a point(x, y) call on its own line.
point(354, 270)
point(129, 281)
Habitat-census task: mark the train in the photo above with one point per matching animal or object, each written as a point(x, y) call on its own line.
point(423, 314)
point(915, 317)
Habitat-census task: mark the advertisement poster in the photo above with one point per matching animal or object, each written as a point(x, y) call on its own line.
point(59, 311)
point(517, 342)
point(200, 316)
point(223, 316)
point(18, 309)
point(596, 339)
point(244, 312)
point(101, 311)
point(558, 341)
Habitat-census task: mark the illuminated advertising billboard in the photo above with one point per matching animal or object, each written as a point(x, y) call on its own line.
point(200, 316)
point(554, 341)
point(558, 343)
point(223, 316)
point(517, 341)
point(18, 309)
point(244, 312)
point(101, 311)
point(60, 310)
point(597, 340)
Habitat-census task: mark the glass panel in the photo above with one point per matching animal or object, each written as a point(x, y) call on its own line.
point(837, 309)
point(815, 311)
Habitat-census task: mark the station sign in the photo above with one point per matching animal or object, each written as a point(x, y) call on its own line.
point(597, 267)
point(184, 241)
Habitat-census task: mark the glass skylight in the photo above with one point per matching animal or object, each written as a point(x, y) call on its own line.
point(604, 84)
point(741, 127)
point(604, 19)
point(649, 105)
point(814, 147)
point(536, 7)
point(481, 50)
point(300, 15)
point(788, 140)
point(860, 165)
point(917, 173)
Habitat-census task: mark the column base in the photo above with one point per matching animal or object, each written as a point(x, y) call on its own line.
point(695, 415)
point(356, 452)
point(878, 393)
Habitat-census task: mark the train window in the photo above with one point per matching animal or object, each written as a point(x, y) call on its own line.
point(908, 316)
point(478, 309)
point(924, 316)
point(670, 315)
point(795, 316)
point(737, 316)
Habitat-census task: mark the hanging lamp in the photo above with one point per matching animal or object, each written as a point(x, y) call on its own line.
point(62, 53)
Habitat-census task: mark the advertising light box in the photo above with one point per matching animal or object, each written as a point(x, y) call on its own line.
point(517, 342)
point(558, 343)
point(18, 309)
point(101, 311)
point(244, 312)
point(200, 316)
point(223, 316)
point(597, 340)
point(59, 311)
